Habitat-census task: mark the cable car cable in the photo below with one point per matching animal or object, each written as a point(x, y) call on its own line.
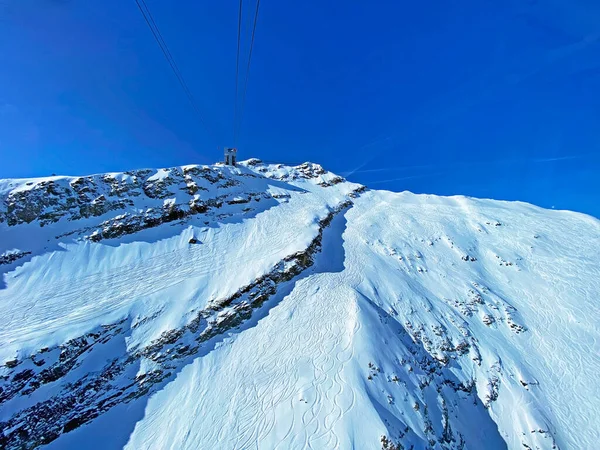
point(248, 68)
point(237, 73)
point(169, 57)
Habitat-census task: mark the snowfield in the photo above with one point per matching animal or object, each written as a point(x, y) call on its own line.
point(274, 307)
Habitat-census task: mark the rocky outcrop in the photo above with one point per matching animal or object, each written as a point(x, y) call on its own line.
point(49, 201)
point(12, 256)
point(129, 202)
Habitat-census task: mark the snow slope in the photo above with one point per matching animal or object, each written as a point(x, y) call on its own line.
point(308, 313)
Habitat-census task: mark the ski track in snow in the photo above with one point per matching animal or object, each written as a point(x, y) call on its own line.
point(303, 405)
point(390, 288)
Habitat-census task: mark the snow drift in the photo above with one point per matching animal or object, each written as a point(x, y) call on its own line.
point(265, 306)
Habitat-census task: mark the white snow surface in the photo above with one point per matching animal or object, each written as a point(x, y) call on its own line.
point(438, 322)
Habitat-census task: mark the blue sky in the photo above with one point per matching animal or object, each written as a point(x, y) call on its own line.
point(480, 97)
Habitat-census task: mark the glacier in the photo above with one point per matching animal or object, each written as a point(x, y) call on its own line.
point(265, 306)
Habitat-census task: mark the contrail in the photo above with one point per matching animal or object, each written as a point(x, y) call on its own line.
point(405, 178)
point(488, 83)
point(468, 164)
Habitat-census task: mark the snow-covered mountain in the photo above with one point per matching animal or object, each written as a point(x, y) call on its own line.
point(273, 307)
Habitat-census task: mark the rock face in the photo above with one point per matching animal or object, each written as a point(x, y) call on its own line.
point(12, 256)
point(49, 201)
point(285, 307)
point(136, 200)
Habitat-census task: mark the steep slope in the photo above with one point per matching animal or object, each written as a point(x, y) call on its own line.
point(279, 307)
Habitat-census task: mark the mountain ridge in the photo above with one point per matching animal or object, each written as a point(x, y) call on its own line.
point(419, 332)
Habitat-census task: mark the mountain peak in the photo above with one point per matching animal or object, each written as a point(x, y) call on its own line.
point(269, 306)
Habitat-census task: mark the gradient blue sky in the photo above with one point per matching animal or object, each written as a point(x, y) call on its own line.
point(486, 98)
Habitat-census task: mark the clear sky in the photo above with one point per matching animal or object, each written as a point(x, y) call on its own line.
point(486, 98)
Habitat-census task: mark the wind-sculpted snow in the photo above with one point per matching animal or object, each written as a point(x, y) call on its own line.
point(292, 310)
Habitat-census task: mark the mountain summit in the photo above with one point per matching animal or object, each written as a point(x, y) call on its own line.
point(272, 307)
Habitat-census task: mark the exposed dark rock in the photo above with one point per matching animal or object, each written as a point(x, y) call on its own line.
point(12, 363)
point(357, 192)
point(488, 320)
point(49, 201)
point(23, 376)
point(387, 444)
point(332, 182)
point(239, 200)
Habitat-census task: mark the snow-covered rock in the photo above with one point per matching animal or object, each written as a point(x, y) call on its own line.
point(266, 306)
